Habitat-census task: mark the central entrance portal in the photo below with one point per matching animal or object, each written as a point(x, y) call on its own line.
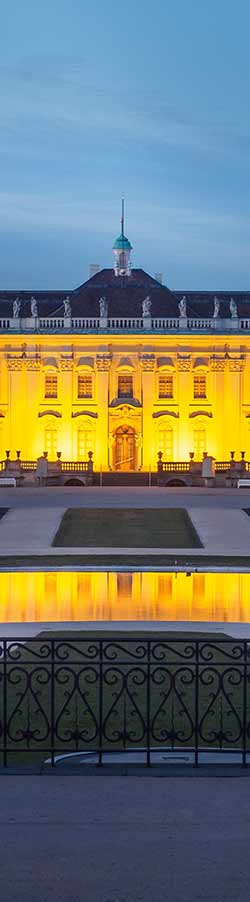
point(124, 449)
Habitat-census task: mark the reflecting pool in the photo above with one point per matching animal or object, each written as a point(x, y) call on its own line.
point(96, 596)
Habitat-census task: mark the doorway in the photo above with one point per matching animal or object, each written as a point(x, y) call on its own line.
point(124, 449)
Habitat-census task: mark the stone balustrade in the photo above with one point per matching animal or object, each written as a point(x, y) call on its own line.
point(123, 324)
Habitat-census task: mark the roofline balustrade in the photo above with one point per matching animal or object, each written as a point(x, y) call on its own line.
point(117, 324)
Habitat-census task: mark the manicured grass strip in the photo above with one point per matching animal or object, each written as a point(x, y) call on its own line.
point(122, 634)
point(126, 527)
point(135, 562)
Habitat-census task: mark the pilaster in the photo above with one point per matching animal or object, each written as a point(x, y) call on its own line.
point(103, 362)
point(184, 396)
point(66, 367)
point(148, 447)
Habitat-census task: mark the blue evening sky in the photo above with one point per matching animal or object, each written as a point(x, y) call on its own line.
point(149, 100)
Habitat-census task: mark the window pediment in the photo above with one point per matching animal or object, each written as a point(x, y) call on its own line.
point(49, 413)
point(165, 413)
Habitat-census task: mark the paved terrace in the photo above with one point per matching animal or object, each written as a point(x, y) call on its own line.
point(35, 514)
point(124, 839)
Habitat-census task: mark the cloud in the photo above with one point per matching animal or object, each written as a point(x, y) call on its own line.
point(63, 97)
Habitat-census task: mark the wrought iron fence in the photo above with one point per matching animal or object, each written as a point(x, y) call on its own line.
point(65, 695)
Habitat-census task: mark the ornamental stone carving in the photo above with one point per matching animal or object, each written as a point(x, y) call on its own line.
point(216, 308)
point(147, 362)
point(14, 363)
point(217, 364)
point(146, 307)
point(103, 304)
point(33, 307)
point(103, 362)
point(67, 307)
point(33, 364)
point(183, 307)
point(184, 364)
point(66, 363)
point(236, 365)
point(16, 308)
point(233, 308)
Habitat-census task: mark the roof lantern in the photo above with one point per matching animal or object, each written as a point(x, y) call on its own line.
point(122, 251)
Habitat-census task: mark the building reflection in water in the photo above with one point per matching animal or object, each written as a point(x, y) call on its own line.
point(72, 596)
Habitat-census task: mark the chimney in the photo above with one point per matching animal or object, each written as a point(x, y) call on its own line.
point(93, 269)
point(159, 277)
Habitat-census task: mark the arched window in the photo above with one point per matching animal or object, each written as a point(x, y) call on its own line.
point(166, 442)
point(199, 441)
point(85, 442)
point(51, 442)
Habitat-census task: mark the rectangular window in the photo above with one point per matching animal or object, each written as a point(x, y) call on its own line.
point(125, 386)
point(84, 386)
point(200, 386)
point(50, 386)
point(165, 386)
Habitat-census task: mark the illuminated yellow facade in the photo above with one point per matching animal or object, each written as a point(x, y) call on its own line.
point(124, 367)
point(40, 407)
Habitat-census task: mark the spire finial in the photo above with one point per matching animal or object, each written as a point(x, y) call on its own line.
point(122, 219)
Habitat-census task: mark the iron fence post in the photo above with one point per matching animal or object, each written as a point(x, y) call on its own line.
point(5, 707)
point(196, 759)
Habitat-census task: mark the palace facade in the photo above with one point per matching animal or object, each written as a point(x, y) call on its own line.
point(124, 367)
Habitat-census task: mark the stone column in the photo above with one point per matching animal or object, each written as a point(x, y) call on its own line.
point(68, 452)
point(103, 362)
point(149, 457)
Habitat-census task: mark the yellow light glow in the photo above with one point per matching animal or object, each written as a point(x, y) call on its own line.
point(71, 596)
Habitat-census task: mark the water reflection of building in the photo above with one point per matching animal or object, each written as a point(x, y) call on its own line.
point(96, 597)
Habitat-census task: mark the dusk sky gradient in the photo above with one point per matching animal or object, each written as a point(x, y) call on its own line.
point(149, 100)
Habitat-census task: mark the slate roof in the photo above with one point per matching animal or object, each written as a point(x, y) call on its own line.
point(125, 295)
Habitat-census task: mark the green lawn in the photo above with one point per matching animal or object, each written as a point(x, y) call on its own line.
point(135, 562)
point(172, 668)
point(126, 528)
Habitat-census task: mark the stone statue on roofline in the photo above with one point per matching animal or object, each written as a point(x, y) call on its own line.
point(183, 306)
point(146, 306)
point(103, 304)
point(67, 307)
point(33, 307)
point(216, 308)
point(233, 309)
point(16, 308)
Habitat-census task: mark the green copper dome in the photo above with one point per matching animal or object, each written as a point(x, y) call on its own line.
point(122, 244)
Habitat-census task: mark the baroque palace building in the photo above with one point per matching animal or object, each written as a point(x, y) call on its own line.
point(125, 367)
